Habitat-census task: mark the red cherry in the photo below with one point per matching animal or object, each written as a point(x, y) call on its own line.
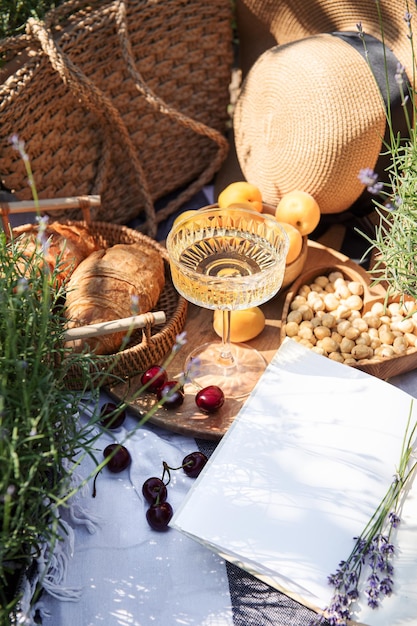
point(210, 399)
point(159, 516)
point(157, 375)
point(172, 398)
point(121, 457)
point(110, 416)
point(193, 463)
point(119, 461)
point(154, 490)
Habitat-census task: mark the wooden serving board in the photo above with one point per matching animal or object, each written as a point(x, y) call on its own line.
point(188, 420)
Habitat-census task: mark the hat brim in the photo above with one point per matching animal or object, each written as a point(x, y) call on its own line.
point(290, 20)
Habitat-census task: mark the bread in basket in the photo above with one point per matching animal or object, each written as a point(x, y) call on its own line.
point(149, 345)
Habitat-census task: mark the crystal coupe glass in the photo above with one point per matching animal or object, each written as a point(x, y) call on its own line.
point(227, 259)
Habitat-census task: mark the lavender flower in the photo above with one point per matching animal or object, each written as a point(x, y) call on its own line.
point(41, 234)
point(399, 74)
point(386, 586)
point(394, 519)
point(394, 204)
point(375, 554)
point(22, 285)
point(194, 368)
point(373, 549)
point(368, 177)
point(407, 18)
point(180, 341)
point(19, 145)
point(135, 304)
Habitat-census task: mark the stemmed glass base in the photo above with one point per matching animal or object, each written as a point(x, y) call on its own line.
point(236, 373)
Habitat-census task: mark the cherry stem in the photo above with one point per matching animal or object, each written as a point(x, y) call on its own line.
point(168, 470)
point(94, 484)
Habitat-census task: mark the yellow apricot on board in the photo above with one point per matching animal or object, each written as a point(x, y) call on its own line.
point(244, 325)
point(183, 215)
point(300, 209)
point(296, 242)
point(241, 193)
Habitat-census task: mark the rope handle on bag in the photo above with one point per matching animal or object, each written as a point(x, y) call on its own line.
point(162, 107)
point(158, 103)
point(95, 100)
point(81, 86)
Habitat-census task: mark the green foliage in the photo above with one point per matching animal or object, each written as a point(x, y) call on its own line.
point(396, 233)
point(15, 13)
point(395, 240)
point(39, 434)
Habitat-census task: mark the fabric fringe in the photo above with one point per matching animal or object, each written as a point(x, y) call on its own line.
point(77, 513)
point(53, 567)
point(50, 575)
point(53, 564)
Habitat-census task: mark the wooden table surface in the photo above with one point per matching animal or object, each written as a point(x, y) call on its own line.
point(188, 420)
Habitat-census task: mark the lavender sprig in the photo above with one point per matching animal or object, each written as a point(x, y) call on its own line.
point(19, 145)
point(374, 548)
point(368, 177)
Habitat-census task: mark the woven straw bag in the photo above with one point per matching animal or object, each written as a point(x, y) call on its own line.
point(124, 99)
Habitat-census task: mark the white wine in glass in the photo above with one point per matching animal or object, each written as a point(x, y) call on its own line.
point(227, 259)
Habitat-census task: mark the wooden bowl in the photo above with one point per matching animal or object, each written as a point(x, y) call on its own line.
point(379, 366)
point(295, 268)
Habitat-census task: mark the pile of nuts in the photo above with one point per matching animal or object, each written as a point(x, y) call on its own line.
point(326, 316)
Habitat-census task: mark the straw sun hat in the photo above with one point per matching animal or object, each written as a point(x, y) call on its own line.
point(311, 112)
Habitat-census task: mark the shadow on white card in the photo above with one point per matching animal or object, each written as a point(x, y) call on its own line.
point(298, 476)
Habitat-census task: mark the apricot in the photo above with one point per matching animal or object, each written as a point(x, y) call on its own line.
point(300, 209)
point(244, 325)
point(241, 193)
point(183, 215)
point(296, 242)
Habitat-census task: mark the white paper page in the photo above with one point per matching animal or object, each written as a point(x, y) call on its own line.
point(299, 474)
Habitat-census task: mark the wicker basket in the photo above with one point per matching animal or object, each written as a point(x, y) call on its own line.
point(151, 344)
point(147, 346)
point(123, 99)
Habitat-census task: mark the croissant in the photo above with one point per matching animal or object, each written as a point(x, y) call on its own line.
point(105, 286)
point(68, 244)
